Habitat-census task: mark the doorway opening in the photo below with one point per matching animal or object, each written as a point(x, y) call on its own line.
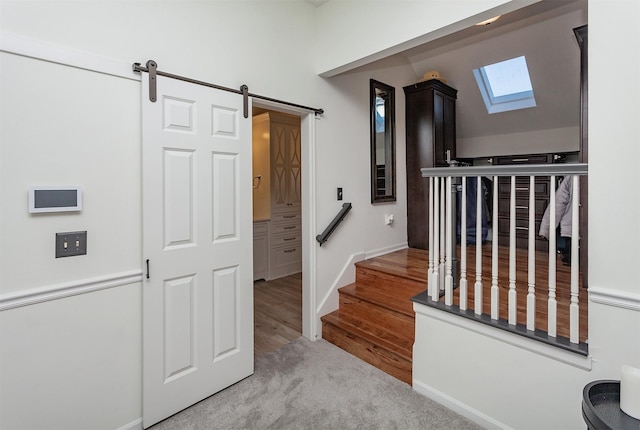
point(282, 305)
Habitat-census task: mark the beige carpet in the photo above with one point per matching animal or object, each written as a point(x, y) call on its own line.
point(315, 385)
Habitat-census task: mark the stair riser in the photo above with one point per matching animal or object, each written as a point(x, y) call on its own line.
point(372, 354)
point(395, 303)
point(388, 282)
point(366, 311)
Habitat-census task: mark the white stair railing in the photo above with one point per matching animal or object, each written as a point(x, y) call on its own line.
point(463, 247)
point(531, 271)
point(442, 250)
point(430, 270)
point(477, 305)
point(495, 291)
point(552, 304)
point(574, 309)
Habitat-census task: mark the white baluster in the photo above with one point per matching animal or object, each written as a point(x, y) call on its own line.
point(513, 304)
point(531, 295)
point(435, 290)
point(443, 214)
point(463, 246)
point(495, 291)
point(552, 303)
point(574, 307)
point(430, 284)
point(448, 279)
point(478, 285)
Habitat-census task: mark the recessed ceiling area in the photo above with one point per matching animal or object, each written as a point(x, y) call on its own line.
point(316, 3)
point(543, 33)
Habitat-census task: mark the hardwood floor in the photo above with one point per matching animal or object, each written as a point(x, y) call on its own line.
point(277, 312)
point(563, 288)
point(413, 263)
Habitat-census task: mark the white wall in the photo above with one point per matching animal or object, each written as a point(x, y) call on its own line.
point(354, 33)
point(63, 125)
point(72, 363)
point(343, 160)
point(565, 139)
point(503, 385)
point(73, 340)
point(75, 362)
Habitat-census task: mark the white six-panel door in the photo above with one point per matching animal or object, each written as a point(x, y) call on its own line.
point(197, 238)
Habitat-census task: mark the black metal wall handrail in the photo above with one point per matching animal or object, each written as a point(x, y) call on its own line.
point(322, 238)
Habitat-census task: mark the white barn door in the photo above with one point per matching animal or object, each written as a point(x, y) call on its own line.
point(197, 244)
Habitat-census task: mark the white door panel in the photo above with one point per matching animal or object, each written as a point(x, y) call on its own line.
point(197, 236)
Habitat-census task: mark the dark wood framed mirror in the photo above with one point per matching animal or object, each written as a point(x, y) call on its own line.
point(383, 142)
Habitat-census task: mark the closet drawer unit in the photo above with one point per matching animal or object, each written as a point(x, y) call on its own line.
point(287, 217)
point(278, 228)
point(286, 239)
point(522, 207)
point(286, 259)
point(522, 227)
point(522, 186)
point(524, 159)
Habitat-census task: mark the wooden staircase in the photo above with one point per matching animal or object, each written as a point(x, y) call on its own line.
point(375, 320)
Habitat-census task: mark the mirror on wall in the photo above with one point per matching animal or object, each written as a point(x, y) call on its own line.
point(383, 157)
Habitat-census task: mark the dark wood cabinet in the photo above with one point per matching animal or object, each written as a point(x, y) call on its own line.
point(430, 142)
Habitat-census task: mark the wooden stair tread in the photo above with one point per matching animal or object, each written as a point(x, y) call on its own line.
point(375, 319)
point(408, 263)
point(395, 303)
point(375, 334)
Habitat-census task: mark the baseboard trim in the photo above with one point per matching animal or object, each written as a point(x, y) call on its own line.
point(385, 250)
point(458, 407)
point(68, 289)
point(615, 298)
point(133, 425)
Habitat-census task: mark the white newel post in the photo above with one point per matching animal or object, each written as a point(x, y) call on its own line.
point(574, 307)
point(430, 283)
point(463, 246)
point(443, 214)
point(448, 280)
point(435, 289)
point(495, 291)
point(478, 285)
point(552, 304)
point(531, 295)
point(513, 304)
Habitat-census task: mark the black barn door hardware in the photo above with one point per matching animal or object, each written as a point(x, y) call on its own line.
point(152, 68)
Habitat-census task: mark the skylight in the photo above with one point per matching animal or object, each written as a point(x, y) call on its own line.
point(505, 85)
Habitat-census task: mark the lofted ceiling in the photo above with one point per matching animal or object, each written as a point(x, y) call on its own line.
point(543, 33)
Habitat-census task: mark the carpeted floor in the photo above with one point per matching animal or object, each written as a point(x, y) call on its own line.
point(315, 385)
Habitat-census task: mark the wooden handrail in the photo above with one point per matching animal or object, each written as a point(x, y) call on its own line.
point(559, 169)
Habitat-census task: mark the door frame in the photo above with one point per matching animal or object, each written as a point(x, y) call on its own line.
point(310, 322)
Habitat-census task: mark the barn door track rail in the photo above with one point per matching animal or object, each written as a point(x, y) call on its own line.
point(152, 68)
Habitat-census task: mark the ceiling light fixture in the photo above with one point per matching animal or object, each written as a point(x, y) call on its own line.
point(489, 21)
